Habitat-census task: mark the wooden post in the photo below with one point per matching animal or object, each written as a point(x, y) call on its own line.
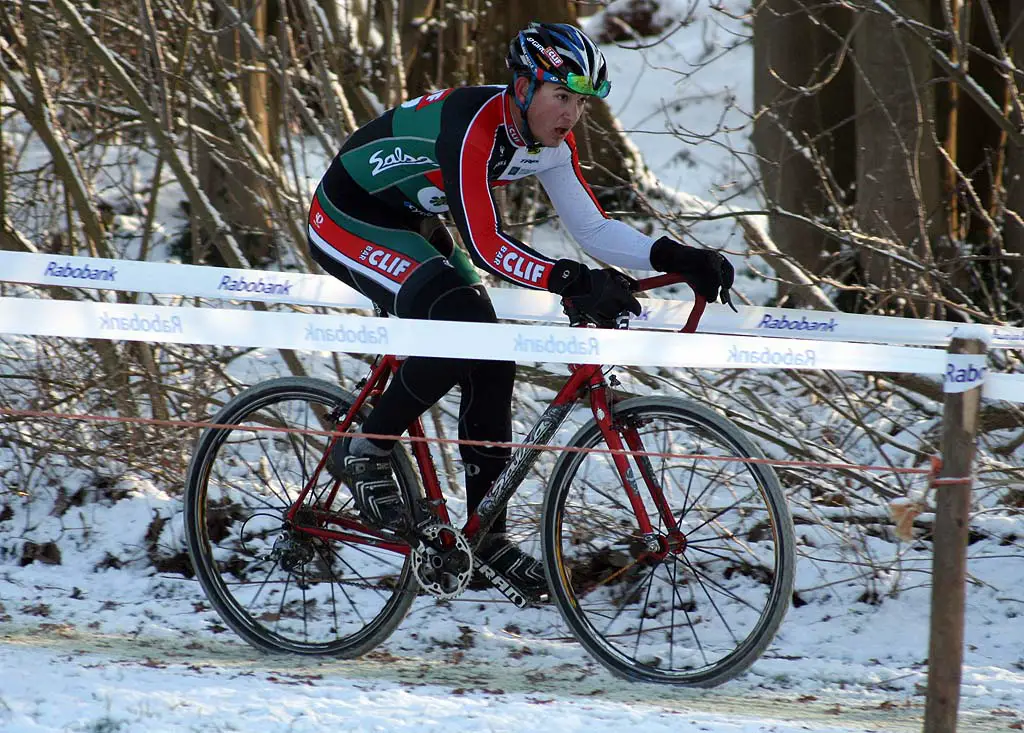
point(964, 380)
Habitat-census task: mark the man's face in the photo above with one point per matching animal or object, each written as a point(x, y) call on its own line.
point(553, 112)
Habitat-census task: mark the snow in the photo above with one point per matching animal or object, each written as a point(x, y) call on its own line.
point(103, 642)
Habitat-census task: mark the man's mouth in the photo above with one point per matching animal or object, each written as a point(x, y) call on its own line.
point(561, 131)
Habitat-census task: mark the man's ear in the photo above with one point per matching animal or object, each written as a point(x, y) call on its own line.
point(520, 86)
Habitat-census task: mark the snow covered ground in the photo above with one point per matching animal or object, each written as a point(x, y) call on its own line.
point(100, 642)
point(126, 649)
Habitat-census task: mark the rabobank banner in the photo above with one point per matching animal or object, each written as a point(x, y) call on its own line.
point(511, 304)
point(513, 342)
point(964, 372)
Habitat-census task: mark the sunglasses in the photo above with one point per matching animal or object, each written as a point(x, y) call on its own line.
point(577, 83)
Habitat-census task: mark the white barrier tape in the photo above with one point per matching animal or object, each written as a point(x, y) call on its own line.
point(511, 304)
point(359, 334)
point(524, 343)
point(1009, 387)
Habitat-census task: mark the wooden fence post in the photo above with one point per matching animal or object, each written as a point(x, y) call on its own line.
point(966, 366)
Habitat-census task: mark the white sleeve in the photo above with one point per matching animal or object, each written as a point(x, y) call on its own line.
point(607, 240)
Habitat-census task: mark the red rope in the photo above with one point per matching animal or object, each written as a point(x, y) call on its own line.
point(936, 469)
point(932, 471)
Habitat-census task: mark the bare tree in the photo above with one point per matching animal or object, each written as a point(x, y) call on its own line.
point(1014, 174)
point(924, 229)
point(803, 124)
point(897, 162)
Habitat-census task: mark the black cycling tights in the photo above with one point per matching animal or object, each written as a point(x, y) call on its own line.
point(486, 409)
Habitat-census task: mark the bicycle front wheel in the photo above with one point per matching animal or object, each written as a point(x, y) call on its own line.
point(290, 586)
point(693, 605)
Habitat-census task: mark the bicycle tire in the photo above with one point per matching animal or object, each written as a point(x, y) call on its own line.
point(317, 596)
point(608, 586)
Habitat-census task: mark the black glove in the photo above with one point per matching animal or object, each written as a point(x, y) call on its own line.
point(569, 277)
point(705, 269)
point(600, 294)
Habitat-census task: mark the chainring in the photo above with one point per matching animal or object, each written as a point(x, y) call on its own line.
point(443, 561)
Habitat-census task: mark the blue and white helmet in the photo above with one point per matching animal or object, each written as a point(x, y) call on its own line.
point(562, 54)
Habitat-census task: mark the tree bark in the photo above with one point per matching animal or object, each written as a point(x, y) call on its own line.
point(898, 184)
point(231, 185)
point(803, 92)
point(975, 144)
point(255, 80)
point(1013, 233)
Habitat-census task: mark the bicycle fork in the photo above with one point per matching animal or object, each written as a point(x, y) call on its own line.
point(614, 432)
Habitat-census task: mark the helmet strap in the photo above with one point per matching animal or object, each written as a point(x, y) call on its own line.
point(524, 106)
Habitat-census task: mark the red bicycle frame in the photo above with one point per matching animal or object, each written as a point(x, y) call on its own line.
point(584, 379)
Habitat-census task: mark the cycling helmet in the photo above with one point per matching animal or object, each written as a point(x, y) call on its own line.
point(559, 53)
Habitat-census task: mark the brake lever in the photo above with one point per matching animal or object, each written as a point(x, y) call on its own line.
point(727, 299)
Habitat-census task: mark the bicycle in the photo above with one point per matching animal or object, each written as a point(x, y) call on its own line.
point(701, 545)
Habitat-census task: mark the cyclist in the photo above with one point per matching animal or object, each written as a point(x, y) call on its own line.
point(374, 224)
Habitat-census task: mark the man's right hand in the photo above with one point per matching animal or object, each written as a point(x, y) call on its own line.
point(707, 271)
point(600, 294)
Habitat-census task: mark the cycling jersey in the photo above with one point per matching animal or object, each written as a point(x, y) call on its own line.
point(443, 152)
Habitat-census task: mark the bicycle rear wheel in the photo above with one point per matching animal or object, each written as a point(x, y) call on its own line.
point(696, 607)
point(279, 586)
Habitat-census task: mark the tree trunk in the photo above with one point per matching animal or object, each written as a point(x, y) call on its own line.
point(802, 94)
point(976, 146)
point(231, 185)
point(1013, 233)
point(898, 184)
point(611, 162)
point(413, 17)
point(255, 80)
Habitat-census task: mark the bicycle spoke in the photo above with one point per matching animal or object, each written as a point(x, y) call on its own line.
point(355, 606)
point(630, 615)
point(716, 515)
point(622, 607)
point(672, 621)
point(273, 467)
point(640, 630)
point(319, 595)
point(720, 588)
point(689, 621)
point(319, 548)
point(710, 483)
point(714, 554)
point(255, 497)
point(728, 558)
point(263, 585)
